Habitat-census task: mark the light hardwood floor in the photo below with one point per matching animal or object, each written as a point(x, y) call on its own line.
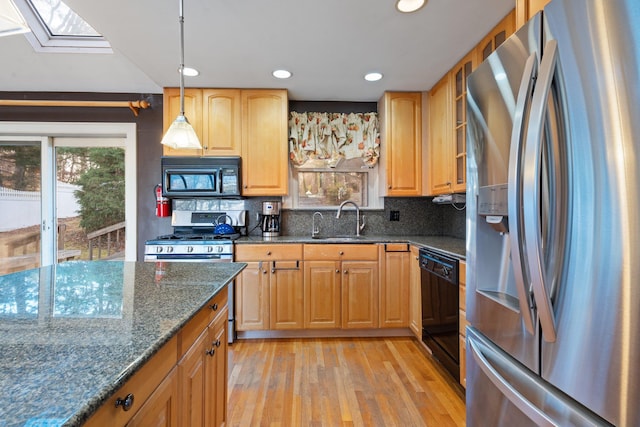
point(340, 382)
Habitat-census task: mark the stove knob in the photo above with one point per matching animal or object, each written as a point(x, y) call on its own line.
point(158, 249)
point(169, 249)
point(209, 248)
point(189, 249)
point(220, 248)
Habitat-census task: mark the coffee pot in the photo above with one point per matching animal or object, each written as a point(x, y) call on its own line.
point(270, 219)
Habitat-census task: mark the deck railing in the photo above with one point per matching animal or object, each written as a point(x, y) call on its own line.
point(114, 235)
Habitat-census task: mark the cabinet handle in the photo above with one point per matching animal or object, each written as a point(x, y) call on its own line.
point(245, 186)
point(126, 403)
point(214, 307)
point(268, 253)
point(217, 343)
point(211, 351)
point(341, 253)
point(264, 271)
point(346, 271)
point(337, 271)
point(389, 187)
point(417, 258)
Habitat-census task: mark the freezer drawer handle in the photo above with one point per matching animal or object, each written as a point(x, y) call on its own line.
point(528, 408)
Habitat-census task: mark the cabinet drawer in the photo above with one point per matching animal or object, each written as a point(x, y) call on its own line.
point(348, 252)
point(462, 273)
point(140, 385)
point(268, 252)
point(201, 320)
point(396, 247)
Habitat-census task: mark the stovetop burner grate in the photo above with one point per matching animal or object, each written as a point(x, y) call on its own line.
point(199, 236)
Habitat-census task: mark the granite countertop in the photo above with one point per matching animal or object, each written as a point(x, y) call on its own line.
point(72, 334)
point(448, 245)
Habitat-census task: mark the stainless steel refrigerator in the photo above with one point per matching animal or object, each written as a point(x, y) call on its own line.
point(553, 214)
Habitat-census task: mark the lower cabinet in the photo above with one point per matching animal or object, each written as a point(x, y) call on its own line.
point(341, 286)
point(184, 384)
point(415, 293)
point(394, 286)
point(462, 272)
point(269, 292)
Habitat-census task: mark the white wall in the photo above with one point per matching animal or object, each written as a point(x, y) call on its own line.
point(22, 208)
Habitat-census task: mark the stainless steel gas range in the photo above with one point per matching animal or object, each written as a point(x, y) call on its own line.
point(203, 232)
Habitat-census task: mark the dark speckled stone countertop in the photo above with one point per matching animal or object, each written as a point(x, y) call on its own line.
point(448, 245)
point(72, 334)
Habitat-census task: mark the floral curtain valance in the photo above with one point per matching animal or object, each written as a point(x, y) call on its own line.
point(323, 139)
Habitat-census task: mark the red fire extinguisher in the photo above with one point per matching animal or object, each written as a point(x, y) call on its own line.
point(163, 207)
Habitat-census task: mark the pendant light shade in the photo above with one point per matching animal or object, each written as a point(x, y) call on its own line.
point(181, 134)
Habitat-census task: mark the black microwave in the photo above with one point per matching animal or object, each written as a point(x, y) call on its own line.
point(200, 176)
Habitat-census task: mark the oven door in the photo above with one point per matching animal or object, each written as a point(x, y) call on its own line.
point(440, 320)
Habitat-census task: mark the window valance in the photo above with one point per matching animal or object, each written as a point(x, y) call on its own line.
point(324, 139)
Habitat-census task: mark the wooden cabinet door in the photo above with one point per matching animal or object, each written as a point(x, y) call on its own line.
point(439, 145)
point(322, 294)
point(221, 122)
point(496, 37)
point(217, 372)
point(252, 297)
point(265, 158)
point(459, 151)
point(192, 382)
point(286, 295)
point(161, 409)
point(525, 9)
point(394, 289)
point(415, 292)
point(359, 294)
point(192, 111)
point(402, 144)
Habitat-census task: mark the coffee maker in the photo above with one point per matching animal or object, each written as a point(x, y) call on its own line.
point(270, 222)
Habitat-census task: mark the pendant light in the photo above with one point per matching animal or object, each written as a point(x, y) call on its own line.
point(181, 134)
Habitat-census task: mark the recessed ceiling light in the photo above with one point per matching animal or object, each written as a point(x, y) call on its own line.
point(189, 72)
point(281, 74)
point(372, 77)
point(408, 6)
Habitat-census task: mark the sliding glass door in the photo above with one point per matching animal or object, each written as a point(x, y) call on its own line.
point(66, 197)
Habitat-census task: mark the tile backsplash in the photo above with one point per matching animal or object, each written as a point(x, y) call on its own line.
point(417, 216)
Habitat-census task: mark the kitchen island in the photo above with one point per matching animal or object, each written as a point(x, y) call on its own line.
point(72, 334)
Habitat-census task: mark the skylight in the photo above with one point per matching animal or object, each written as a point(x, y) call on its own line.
point(57, 28)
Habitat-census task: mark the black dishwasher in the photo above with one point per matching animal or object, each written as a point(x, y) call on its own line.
point(439, 286)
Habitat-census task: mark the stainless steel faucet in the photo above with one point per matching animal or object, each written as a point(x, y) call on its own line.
point(315, 229)
point(358, 225)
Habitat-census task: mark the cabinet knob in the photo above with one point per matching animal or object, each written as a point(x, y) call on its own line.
point(214, 307)
point(341, 253)
point(389, 187)
point(346, 271)
point(211, 351)
point(417, 258)
point(264, 271)
point(245, 186)
point(217, 343)
point(337, 271)
point(268, 252)
point(126, 403)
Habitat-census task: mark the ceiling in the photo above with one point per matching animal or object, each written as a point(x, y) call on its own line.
point(328, 45)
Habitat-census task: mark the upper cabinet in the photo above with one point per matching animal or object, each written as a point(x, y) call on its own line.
point(525, 9)
point(440, 137)
point(401, 131)
point(447, 149)
point(499, 34)
point(233, 122)
point(265, 151)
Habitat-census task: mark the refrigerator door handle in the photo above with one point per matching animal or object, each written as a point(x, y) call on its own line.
point(534, 413)
point(531, 187)
point(515, 191)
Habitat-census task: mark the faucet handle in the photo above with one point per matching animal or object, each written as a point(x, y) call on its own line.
point(363, 223)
